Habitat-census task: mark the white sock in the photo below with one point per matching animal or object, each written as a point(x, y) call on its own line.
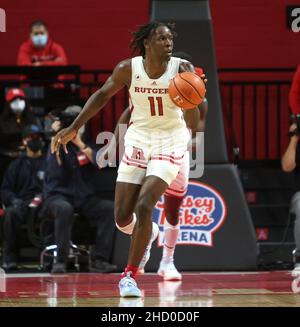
point(128, 229)
point(171, 235)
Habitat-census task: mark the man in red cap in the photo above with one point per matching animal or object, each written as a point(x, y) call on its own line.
point(15, 99)
point(15, 115)
point(40, 50)
point(13, 94)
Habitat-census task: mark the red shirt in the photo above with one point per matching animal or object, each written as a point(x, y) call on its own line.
point(51, 55)
point(295, 93)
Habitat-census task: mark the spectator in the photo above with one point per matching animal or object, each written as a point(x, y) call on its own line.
point(21, 187)
point(291, 162)
point(16, 114)
point(39, 49)
point(69, 187)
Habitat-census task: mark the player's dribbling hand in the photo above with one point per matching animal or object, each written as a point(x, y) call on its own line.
point(63, 137)
point(204, 79)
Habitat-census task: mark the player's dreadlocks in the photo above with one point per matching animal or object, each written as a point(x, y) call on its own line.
point(144, 31)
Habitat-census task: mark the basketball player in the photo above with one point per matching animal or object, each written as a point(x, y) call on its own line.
point(155, 142)
point(173, 195)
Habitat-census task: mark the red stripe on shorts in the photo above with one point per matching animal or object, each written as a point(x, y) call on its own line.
point(168, 156)
point(132, 164)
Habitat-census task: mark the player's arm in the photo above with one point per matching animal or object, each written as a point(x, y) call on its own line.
point(191, 116)
point(120, 77)
point(118, 132)
point(124, 119)
point(107, 155)
point(203, 109)
point(288, 161)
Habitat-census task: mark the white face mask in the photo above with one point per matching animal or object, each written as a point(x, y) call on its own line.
point(40, 40)
point(18, 106)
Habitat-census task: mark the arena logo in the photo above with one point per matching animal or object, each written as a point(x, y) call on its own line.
point(2, 20)
point(202, 213)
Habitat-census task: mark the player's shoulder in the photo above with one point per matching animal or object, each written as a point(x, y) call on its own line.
point(123, 69)
point(124, 65)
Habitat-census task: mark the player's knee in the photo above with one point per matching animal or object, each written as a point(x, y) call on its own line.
point(144, 206)
point(121, 216)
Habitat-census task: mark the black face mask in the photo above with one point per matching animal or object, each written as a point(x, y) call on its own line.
point(35, 145)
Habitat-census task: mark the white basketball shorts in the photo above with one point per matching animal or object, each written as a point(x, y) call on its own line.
point(146, 155)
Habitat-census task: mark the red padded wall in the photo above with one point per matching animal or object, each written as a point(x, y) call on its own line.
point(94, 33)
point(248, 33)
point(253, 33)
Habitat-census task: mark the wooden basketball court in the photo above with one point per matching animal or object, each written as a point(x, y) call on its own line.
point(203, 289)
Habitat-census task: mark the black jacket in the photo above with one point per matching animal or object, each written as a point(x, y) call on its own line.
point(70, 179)
point(23, 179)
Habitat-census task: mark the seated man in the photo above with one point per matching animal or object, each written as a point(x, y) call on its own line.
point(68, 188)
point(22, 184)
point(39, 49)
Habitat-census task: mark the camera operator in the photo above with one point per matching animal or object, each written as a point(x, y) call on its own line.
point(21, 189)
point(291, 162)
point(68, 188)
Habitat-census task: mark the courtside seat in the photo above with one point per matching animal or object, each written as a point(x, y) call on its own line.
point(77, 254)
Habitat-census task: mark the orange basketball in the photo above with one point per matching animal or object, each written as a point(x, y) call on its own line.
point(187, 90)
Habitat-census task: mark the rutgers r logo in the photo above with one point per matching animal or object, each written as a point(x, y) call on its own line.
point(178, 99)
point(138, 154)
point(2, 20)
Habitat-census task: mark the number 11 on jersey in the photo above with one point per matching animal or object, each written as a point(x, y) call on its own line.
point(153, 107)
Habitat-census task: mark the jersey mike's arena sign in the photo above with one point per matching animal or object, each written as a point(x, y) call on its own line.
point(202, 213)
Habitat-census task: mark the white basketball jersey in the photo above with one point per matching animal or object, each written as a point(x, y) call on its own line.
point(151, 107)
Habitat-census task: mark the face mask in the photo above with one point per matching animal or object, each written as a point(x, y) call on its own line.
point(35, 145)
point(39, 40)
point(18, 106)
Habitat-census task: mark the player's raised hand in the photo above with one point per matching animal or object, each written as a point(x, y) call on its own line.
point(63, 137)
